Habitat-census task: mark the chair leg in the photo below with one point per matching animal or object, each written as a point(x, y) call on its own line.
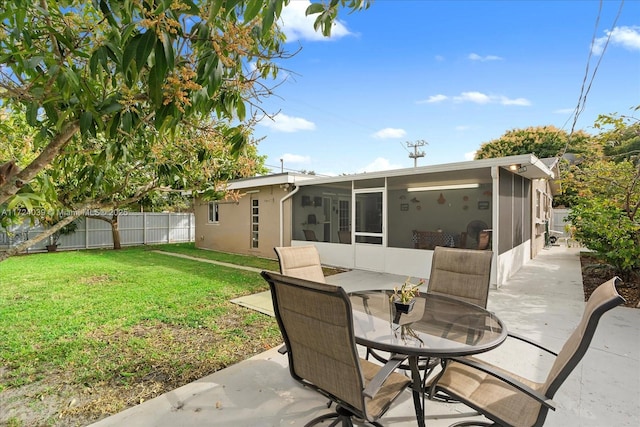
point(342, 416)
point(322, 418)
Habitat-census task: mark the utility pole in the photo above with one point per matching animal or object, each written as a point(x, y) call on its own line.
point(416, 153)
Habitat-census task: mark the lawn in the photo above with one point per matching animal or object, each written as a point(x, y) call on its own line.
point(87, 334)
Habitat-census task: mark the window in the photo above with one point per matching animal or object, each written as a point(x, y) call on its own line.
point(214, 213)
point(255, 216)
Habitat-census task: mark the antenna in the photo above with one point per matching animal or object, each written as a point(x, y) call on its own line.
point(416, 153)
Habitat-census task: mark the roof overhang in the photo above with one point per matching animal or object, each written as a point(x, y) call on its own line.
point(526, 165)
point(266, 180)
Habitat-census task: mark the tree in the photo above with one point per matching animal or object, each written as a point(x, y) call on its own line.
point(198, 160)
point(541, 141)
point(605, 215)
point(546, 142)
point(622, 140)
point(118, 80)
point(132, 70)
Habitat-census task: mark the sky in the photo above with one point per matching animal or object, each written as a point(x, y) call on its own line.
point(450, 75)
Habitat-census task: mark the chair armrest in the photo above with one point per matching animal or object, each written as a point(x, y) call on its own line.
point(511, 381)
point(533, 343)
point(392, 364)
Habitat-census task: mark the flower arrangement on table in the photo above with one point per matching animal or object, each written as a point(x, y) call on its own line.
point(407, 292)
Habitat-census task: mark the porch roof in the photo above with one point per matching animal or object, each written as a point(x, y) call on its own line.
point(526, 165)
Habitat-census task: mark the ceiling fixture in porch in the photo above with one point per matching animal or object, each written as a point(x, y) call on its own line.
point(444, 187)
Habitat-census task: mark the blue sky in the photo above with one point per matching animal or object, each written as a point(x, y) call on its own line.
point(455, 74)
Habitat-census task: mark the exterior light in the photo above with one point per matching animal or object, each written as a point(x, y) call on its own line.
point(444, 187)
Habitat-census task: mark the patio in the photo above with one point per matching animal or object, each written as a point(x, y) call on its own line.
point(543, 301)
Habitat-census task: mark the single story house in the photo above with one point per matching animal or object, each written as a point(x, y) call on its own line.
point(390, 221)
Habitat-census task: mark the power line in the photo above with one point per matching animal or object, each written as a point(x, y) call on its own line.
point(585, 89)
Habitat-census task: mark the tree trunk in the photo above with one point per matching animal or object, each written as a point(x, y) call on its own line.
point(115, 231)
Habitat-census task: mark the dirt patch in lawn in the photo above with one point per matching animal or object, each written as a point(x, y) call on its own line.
point(58, 398)
point(596, 272)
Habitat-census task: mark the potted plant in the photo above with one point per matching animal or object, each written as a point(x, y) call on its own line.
point(64, 231)
point(404, 297)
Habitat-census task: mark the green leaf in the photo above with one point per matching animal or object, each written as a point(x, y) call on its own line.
point(130, 52)
point(214, 9)
point(168, 54)
point(268, 16)
point(86, 122)
point(240, 110)
point(145, 47)
point(156, 78)
point(104, 7)
point(32, 114)
point(252, 9)
point(111, 107)
point(314, 8)
point(127, 121)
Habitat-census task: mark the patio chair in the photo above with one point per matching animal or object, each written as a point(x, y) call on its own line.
point(316, 322)
point(461, 273)
point(509, 400)
point(300, 261)
point(310, 235)
point(474, 228)
point(344, 236)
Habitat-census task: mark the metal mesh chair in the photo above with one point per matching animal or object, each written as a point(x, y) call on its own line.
point(300, 261)
point(316, 322)
point(511, 400)
point(461, 273)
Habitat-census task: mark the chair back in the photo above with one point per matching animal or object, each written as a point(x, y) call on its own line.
point(317, 326)
point(300, 261)
point(310, 235)
point(344, 236)
point(603, 299)
point(461, 273)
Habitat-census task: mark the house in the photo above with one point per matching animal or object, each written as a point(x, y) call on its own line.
point(389, 221)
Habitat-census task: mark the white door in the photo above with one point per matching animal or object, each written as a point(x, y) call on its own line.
point(369, 219)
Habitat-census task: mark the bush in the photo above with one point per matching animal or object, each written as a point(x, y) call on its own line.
point(603, 227)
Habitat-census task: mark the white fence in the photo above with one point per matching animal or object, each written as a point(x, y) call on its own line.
point(136, 228)
point(559, 220)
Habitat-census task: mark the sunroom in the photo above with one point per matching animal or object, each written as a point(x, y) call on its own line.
point(390, 221)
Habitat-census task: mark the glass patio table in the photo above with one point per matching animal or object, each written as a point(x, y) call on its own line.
point(435, 327)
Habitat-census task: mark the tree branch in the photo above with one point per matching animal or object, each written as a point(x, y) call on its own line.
point(11, 187)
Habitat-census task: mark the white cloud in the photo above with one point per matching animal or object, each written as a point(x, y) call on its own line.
point(283, 123)
point(462, 128)
point(439, 58)
point(379, 164)
point(433, 99)
point(295, 158)
point(476, 57)
point(470, 155)
point(475, 97)
point(389, 133)
point(297, 26)
point(523, 102)
point(478, 98)
point(627, 37)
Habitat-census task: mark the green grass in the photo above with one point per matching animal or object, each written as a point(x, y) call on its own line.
point(124, 317)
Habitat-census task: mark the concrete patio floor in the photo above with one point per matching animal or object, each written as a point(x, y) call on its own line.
point(543, 301)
